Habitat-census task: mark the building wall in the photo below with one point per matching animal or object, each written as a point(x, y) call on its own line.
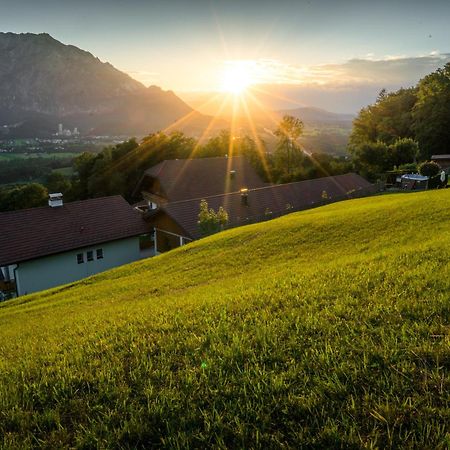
point(167, 241)
point(443, 163)
point(54, 270)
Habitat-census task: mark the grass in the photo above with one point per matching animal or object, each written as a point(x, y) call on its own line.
point(322, 329)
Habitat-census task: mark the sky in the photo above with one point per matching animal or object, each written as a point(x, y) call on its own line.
point(298, 45)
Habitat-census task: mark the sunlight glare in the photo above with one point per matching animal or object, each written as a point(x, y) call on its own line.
point(236, 77)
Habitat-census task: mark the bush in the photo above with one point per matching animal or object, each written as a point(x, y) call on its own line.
point(210, 221)
point(410, 167)
point(429, 169)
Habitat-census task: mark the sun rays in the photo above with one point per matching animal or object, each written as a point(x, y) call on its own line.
point(240, 105)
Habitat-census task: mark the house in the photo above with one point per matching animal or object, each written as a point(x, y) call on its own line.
point(183, 179)
point(443, 161)
point(176, 223)
point(61, 243)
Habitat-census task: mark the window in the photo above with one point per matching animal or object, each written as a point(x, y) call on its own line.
point(99, 253)
point(90, 255)
point(80, 258)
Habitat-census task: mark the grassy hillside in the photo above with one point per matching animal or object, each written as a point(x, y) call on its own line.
point(323, 329)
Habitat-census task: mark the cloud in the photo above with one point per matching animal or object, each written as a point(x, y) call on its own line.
point(391, 70)
point(345, 87)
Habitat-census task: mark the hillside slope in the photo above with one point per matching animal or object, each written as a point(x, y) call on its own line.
point(44, 82)
point(313, 116)
point(327, 328)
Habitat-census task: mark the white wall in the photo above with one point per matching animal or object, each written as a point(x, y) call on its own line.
point(54, 270)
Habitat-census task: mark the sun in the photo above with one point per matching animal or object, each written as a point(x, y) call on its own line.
point(236, 77)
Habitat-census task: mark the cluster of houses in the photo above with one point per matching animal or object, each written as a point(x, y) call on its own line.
point(64, 242)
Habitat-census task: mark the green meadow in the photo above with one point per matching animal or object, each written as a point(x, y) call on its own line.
point(323, 329)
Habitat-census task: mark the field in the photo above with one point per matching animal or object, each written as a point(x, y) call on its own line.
point(21, 168)
point(66, 171)
point(327, 328)
point(22, 156)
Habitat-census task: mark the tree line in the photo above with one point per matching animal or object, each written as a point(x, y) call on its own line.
point(403, 127)
point(117, 169)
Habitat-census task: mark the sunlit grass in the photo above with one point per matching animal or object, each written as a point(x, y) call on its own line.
point(322, 329)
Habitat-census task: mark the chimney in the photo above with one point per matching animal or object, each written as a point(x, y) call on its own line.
point(55, 200)
point(244, 196)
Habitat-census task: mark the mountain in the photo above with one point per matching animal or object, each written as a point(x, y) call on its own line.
point(259, 105)
point(311, 116)
point(44, 82)
point(323, 329)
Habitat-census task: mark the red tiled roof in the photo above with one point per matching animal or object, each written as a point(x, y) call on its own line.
point(31, 233)
point(183, 179)
point(274, 198)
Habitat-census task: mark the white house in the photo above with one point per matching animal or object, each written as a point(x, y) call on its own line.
point(61, 243)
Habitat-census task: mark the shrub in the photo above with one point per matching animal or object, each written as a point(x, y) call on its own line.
point(210, 221)
point(429, 169)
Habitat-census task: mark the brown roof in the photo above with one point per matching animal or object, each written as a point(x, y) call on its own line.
point(276, 198)
point(183, 179)
point(32, 233)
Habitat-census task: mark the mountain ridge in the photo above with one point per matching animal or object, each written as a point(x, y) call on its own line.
point(312, 114)
point(45, 81)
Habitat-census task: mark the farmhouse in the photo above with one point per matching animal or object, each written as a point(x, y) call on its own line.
point(183, 179)
point(61, 243)
point(176, 223)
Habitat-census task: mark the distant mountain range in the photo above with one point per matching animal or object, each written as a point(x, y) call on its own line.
point(263, 109)
point(44, 82)
point(313, 116)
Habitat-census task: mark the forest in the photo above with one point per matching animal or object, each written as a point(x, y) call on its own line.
point(403, 127)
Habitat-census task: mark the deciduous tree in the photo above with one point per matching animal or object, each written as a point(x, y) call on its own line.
point(288, 154)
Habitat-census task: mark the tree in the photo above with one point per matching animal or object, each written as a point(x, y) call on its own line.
point(404, 151)
point(390, 118)
point(216, 146)
point(431, 113)
point(83, 167)
point(27, 196)
point(57, 182)
point(420, 113)
point(117, 169)
point(371, 159)
point(209, 221)
point(288, 154)
point(429, 169)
